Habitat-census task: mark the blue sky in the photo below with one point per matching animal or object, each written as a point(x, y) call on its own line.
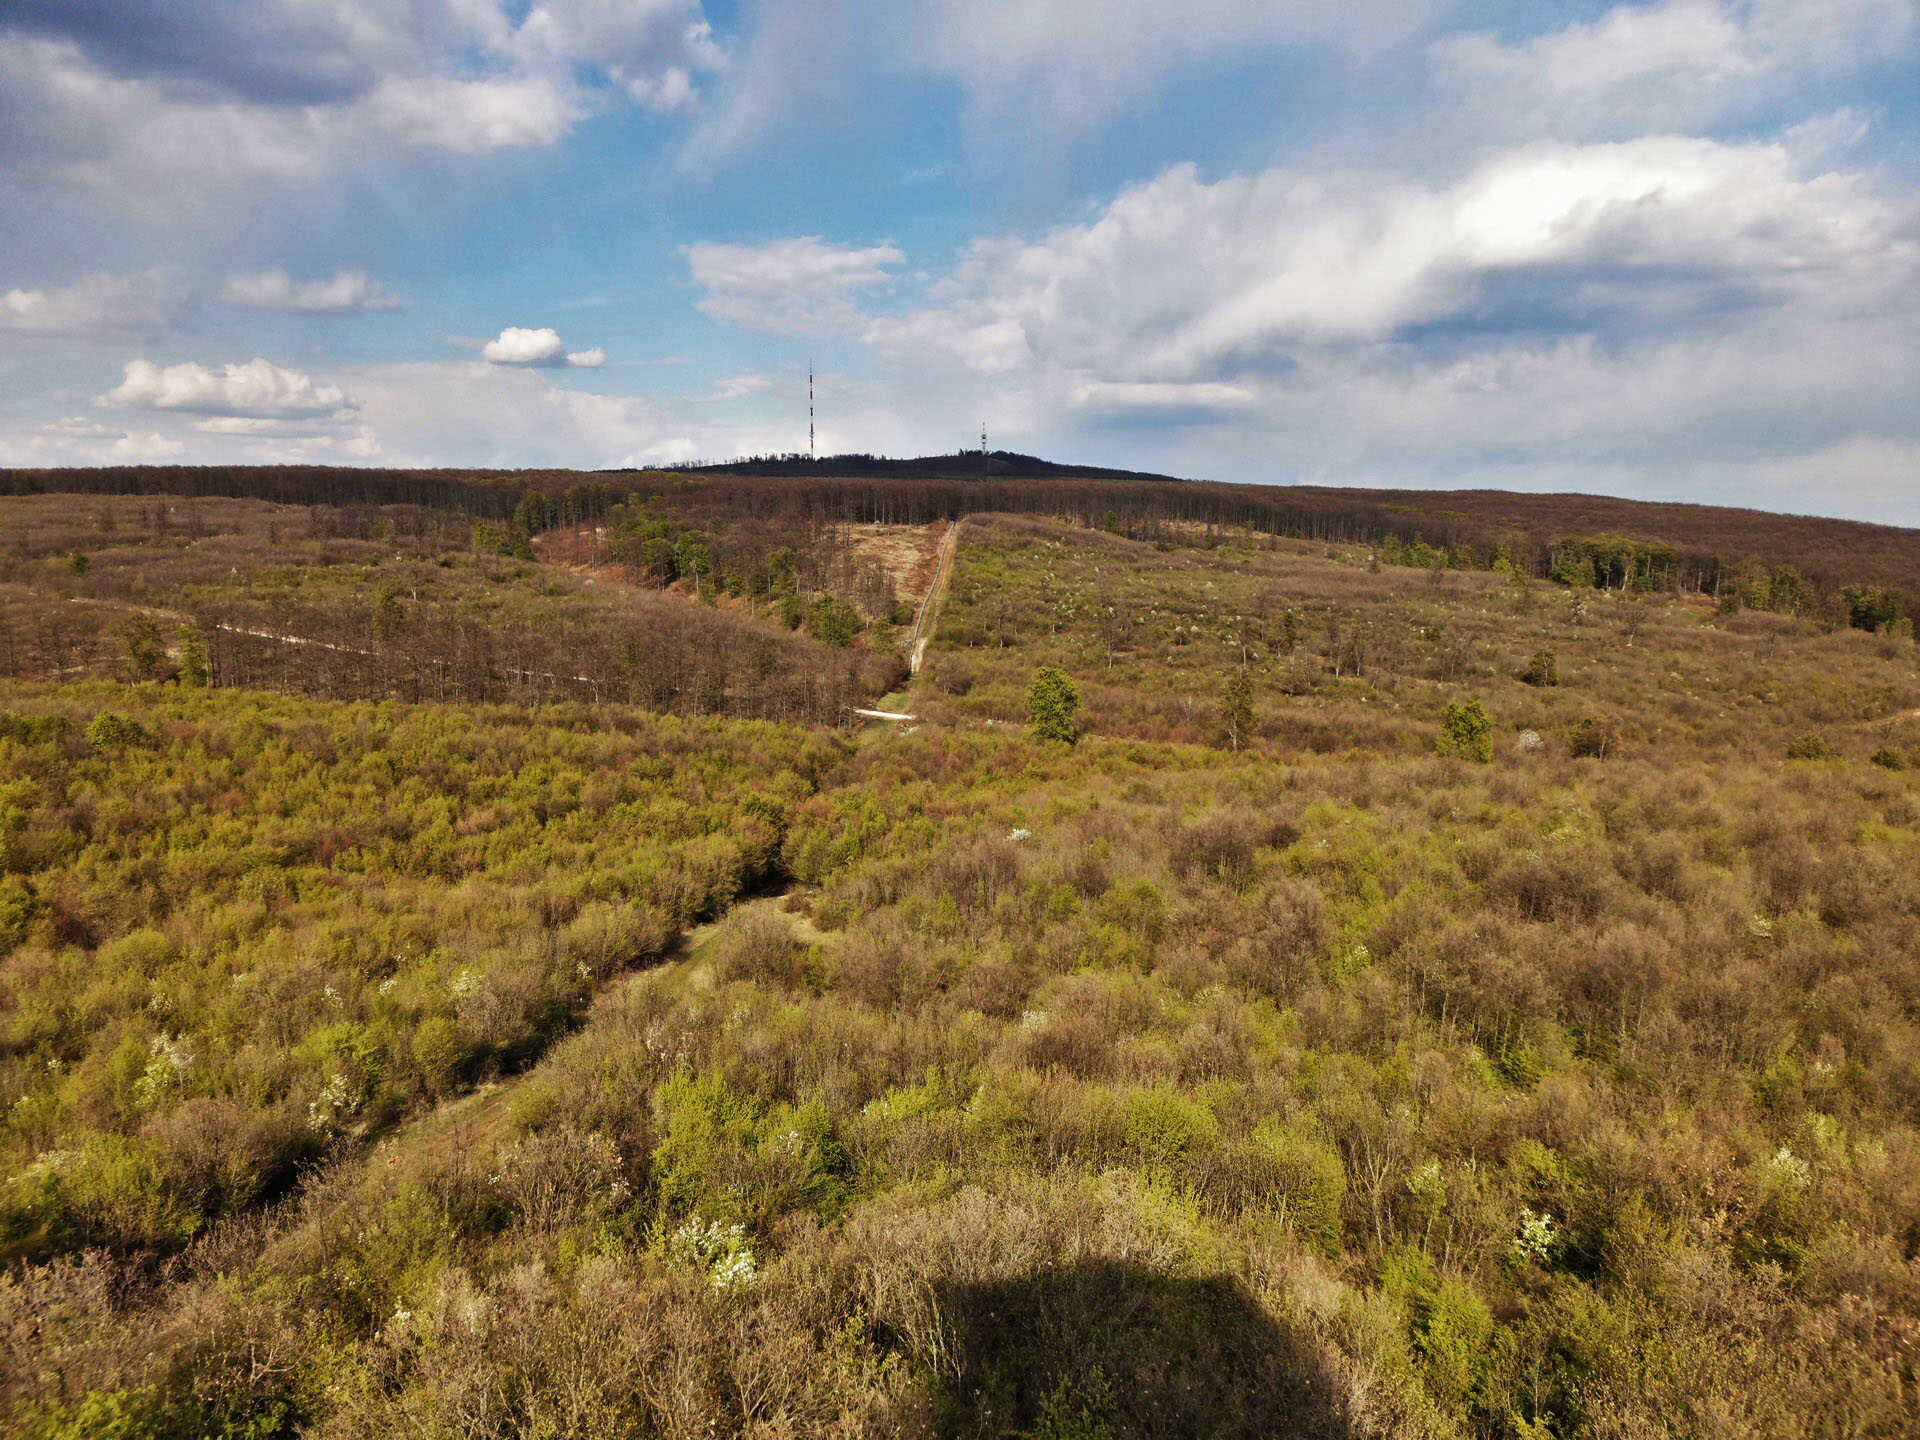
point(1667, 250)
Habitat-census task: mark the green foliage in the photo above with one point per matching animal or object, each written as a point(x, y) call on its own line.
point(389, 615)
point(1466, 730)
point(1590, 737)
point(146, 651)
point(833, 622)
point(78, 563)
point(147, 1413)
point(1810, 746)
point(195, 672)
point(489, 539)
point(1888, 758)
point(1236, 709)
point(108, 731)
point(370, 1068)
point(1542, 669)
point(1612, 562)
point(1872, 607)
point(1053, 706)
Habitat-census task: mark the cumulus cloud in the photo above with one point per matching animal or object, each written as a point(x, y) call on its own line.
point(98, 305)
point(1679, 64)
point(256, 390)
point(344, 290)
point(1180, 279)
point(162, 110)
point(538, 348)
point(485, 414)
point(799, 286)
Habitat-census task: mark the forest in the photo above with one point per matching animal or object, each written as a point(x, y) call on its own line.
point(1337, 965)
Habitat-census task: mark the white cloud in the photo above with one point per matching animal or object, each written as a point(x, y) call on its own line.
point(1680, 64)
point(1193, 397)
point(256, 390)
point(164, 111)
point(1041, 69)
point(471, 117)
point(542, 347)
point(485, 414)
point(651, 49)
point(799, 286)
point(148, 447)
point(78, 427)
point(738, 387)
point(1180, 280)
point(344, 290)
point(98, 305)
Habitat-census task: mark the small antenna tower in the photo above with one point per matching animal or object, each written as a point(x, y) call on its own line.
point(983, 437)
point(810, 454)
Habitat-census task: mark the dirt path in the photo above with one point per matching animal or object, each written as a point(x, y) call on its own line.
point(936, 591)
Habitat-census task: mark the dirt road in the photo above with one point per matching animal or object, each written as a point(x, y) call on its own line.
point(936, 591)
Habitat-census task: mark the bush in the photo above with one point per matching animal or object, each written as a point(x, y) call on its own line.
point(1590, 738)
point(1236, 709)
point(108, 731)
point(833, 622)
point(1542, 669)
point(194, 669)
point(1888, 758)
point(1809, 746)
point(1053, 705)
point(501, 540)
point(1466, 731)
point(1219, 847)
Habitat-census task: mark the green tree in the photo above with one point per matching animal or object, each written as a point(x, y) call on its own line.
point(1236, 709)
point(78, 562)
point(194, 670)
point(146, 651)
point(1466, 730)
point(1053, 706)
point(1542, 669)
point(388, 614)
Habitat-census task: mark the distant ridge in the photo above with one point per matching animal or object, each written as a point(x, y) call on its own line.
point(994, 464)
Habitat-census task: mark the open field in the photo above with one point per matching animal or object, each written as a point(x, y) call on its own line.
point(530, 1063)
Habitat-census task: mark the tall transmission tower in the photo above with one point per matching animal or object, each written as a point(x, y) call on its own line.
point(810, 454)
point(983, 437)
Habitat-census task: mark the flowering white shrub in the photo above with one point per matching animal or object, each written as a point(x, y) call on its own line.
point(720, 1250)
point(1539, 1237)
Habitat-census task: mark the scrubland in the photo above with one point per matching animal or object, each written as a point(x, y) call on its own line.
point(376, 1066)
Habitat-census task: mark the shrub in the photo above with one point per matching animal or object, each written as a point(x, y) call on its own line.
point(833, 622)
point(758, 945)
point(1466, 731)
point(1809, 746)
point(108, 731)
point(1542, 669)
point(1053, 705)
point(145, 649)
point(501, 540)
point(1888, 758)
point(1236, 709)
point(194, 669)
point(1590, 738)
point(1219, 847)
